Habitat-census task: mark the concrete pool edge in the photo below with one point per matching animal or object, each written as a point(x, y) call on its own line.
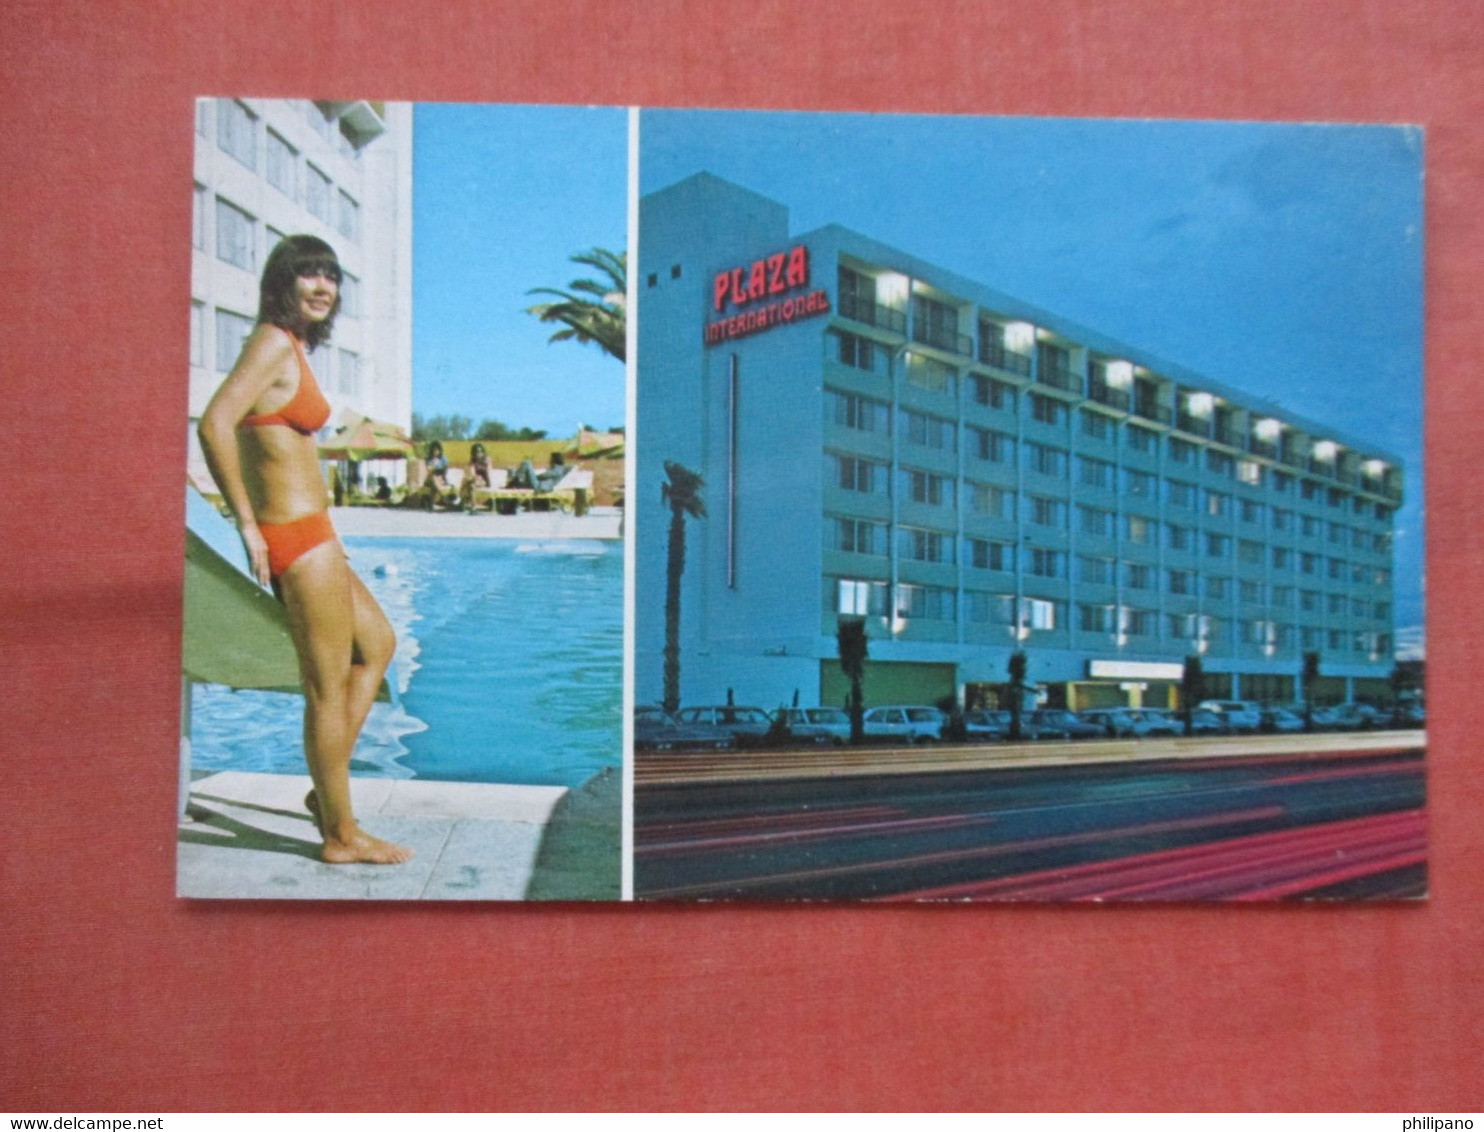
point(252, 839)
point(604, 523)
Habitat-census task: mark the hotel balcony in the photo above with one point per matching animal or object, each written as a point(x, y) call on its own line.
point(942, 338)
point(993, 353)
point(873, 314)
point(1059, 377)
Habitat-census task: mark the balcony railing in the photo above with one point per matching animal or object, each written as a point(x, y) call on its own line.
point(1228, 435)
point(873, 314)
point(1262, 448)
point(1152, 412)
point(942, 338)
point(1060, 377)
point(1105, 394)
point(993, 353)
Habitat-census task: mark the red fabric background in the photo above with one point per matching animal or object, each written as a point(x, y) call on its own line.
point(117, 996)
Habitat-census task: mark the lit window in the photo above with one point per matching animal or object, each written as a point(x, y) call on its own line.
point(236, 132)
point(283, 166)
point(234, 235)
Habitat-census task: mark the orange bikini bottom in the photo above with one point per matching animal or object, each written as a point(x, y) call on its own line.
point(288, 542)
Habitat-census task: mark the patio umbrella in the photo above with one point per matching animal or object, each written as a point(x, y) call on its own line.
point(361, 438)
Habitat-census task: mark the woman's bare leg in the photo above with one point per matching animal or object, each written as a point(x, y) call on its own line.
point(319, 593)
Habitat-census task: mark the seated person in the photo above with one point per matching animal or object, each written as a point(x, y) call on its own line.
point(476, 476)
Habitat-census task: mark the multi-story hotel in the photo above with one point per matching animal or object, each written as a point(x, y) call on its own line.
point(882, 438)
point(267, 168)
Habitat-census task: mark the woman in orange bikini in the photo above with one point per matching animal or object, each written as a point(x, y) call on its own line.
point(258, 437)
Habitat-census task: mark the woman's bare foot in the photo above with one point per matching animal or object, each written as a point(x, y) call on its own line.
point(360, 848)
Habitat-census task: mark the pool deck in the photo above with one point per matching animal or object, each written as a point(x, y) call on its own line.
point(392, 522)
point(250, 837)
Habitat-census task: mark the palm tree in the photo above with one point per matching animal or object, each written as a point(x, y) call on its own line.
point(1192, 691)
point(1308, 678)
point(854, 649)
point(1019, 662)
point(682, 493)
point(592, 310)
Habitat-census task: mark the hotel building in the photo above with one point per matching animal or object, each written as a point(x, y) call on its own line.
point(266, 168)
point(881, 438)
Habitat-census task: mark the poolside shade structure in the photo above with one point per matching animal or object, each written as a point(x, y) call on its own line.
point(361, 438)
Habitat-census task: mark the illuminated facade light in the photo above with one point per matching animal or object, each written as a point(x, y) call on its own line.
point(892, 289)
point(1019, 336)
point(1120, 375)
point(1326, 450)
point(1201, 404)
point(1268, 428)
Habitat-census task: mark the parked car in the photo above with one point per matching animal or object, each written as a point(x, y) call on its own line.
point(1059, 723)
point(1240, 715)
point(748, 726)
point(1282, 720)
point(1156, 721)
point(1206, 722)
point(820, 725)
point(909, 724)
point(1348, 717)
point(984, 724)
point(1115, 723)
point(657, 730)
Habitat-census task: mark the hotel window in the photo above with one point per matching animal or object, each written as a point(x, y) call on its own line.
point(198, 333)
point(1095, 618)
point(1336, 497)
point(932, 375)
point(929, 432)
point(1179, 494)
point(926, 603)
point(1282, 558)
point(1141, 531)
point(234, 235)
point(924, 546)
point(860, 413)
point(318, 197)
point(1095, 425)
point(858, 536)
point(1217, 588)
point(936, 324)
point(1336, 639)
point(1048, 563)
point(1047, 410)
point(1094, 521)
point(1282, 519)
point(1217, 546)
point(1138, 622)
point(1383, 512)
point(1383, 611)
point(1309, 525)
point(1182, 626)
point(990, 446)
point(348, 217)
point(857, 352)
point(1282, 483)
point(992, 609)
point(1037, 613)
point(1054, 366)
point(1250, 591)
point(1358, 572)
point(232, 330)
point(1338, 533)
point(1335, 567)
point(1095, 571)
point(236, 132)
point(1181, 538)
point(1309, 601)
point(1359, 607)
point(203, 117)
point(1047, 461)
point(1219, 463)
point(1359, 505)
point(995, 394)
point(1250, 511)
point(1141, 439)
point(985, 554)
point(1249, 472)
point(350, 296)
point(1047, 512)
point(1309, 563)
point(1334, 604)
point(1215, 629)
point(1139, 485)
point(316, 118)
point(1383, 577)
point(1138, 575)
point(922, 487)
point(1249, 552)
point(1182, 582)
point(994, 502)
point(864, 476)
point(350, 373)
point(1283, 596)
point(198, 218)
point(1312, 636)
point(1182, 451)
point(1259, 633)
point(1217, 503)
point(1308, 489)
point(1094, 473)
point(858, 598)
point(283, 166)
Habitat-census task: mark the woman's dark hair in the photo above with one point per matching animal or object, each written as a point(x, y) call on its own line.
point(477, 450)
point(278, 300)
point(435, 446)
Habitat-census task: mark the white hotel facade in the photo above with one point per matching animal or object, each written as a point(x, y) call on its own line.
point(972, 475)
point(267, 168)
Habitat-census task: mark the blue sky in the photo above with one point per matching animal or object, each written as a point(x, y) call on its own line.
point(1282, 260)
point(502, 196)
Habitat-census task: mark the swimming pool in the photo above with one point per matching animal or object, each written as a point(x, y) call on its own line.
point(509, 668)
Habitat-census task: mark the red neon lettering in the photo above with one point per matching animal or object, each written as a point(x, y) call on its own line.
point(757, 285)
point(775, 274)
point(719, 290)
point(798, 267)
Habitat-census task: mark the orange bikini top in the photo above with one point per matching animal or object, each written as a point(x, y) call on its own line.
point(306, 412)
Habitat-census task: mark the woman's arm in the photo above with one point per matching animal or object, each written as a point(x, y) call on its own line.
point(263, 361)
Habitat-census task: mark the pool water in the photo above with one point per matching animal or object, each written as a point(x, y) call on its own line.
point(509, 668)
